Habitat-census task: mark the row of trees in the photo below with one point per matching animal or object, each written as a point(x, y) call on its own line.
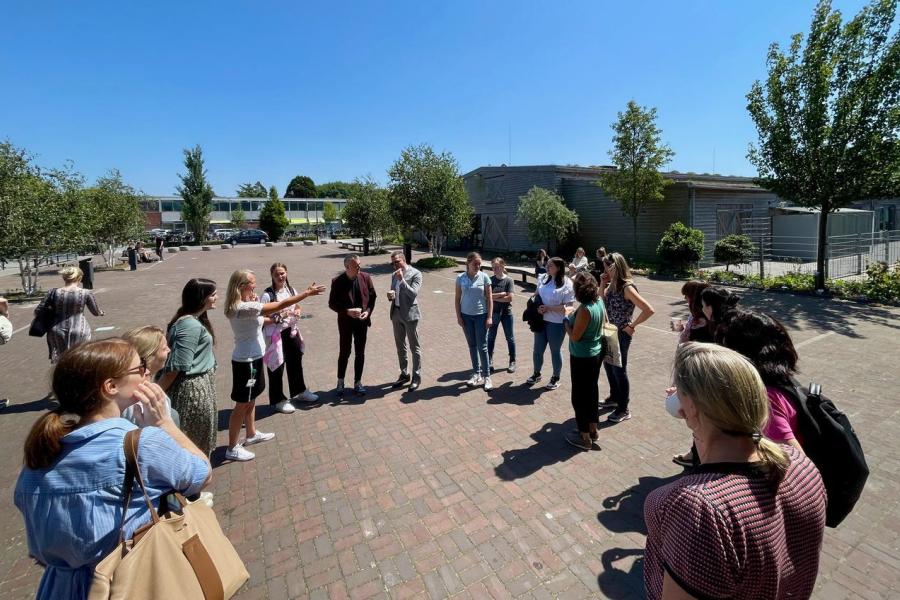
point(44, 212)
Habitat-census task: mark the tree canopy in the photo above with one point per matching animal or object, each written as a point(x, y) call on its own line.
point(337, 189)
point(301, 186)
point(427, 194)
point(368, 214)
point(546, 217)
point(329, 212)
point(272, 217)
point(828, 114)
point(196, 192)
point(251, 190)
point(638, 154)
point(113, 214)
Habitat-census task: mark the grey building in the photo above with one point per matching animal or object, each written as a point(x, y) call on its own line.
point(717, 205)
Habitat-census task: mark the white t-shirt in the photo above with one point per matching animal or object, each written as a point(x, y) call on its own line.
point(247, 327)
point(554, 296)
point(6, 330)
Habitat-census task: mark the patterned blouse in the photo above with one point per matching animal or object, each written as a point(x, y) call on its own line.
point(725, 531)
point(71, 327)
point(620, 308)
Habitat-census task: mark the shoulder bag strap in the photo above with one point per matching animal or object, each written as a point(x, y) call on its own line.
point(132, 472)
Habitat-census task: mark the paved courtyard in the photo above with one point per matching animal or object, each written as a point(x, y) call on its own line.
point(451, 492)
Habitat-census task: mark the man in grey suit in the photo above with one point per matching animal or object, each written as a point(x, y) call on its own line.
point(403, 296)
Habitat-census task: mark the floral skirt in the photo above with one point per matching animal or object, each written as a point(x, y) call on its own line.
point(194, 397)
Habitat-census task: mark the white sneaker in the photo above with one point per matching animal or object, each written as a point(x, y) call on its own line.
point(306, 396)
point(474, 381)
point(488, 385)
point(285, 407)
point(206, 498)
point(259, 437)
point(239, 453)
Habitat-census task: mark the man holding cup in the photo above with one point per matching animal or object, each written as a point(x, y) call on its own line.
point(352, 297)
point(403, 296)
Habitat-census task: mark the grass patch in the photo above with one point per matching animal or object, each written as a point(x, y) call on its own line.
point(440, 262)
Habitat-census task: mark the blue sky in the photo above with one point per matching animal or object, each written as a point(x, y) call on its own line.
point(336, 90)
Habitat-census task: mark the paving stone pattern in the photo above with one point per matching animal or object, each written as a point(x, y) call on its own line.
point(451, 492)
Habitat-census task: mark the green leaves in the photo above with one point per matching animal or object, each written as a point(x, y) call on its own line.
point(272, 217)
point(251, 190)
point(680, 247)
point(197, 194)
point(300, 186)
point(733, 250)
point(368, 213)
point(546, 217)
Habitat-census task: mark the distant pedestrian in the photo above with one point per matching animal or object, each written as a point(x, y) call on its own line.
point(68, 303)
point(502, 289)
point(579, 263)
point(474, 313)
point(132, 256)
point(557, 300)
point(160, 246)
point(246, 314)
point(540, 263)
point(6, 332)
point(187, 376)
point(352, 297)
point(285, 345)
point(585, 329)
point(620, 297)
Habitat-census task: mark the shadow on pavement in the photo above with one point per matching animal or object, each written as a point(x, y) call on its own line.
point(44, 403)
point(519, 394)
point(550, 447)
point(624, 513)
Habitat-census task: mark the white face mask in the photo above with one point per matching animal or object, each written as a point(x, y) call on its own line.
point(673, 405)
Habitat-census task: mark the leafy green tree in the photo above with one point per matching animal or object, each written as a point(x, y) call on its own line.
point(638, 154)
point(251, 190)
point(427, 194)
point(113, 214)
point(329, 212)
point(369, 214)
point(301, 186)
point(337, 189)
point(196, 193)
point(546, 217)
point(272, 217)
point(733, 250)
point(680, 247)
point(828, 114)
point(40, 213)
point(238, 218)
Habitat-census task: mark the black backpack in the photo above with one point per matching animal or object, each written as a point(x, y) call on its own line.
point(831, 443)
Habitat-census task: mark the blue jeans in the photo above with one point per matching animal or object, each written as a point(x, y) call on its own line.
point(475, 328)
point(619, 387)
point(552, 335)
point(507, 321)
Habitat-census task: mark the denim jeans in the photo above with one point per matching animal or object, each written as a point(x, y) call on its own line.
point(507, 321)
point(475, 327)
point(552, 335)
point(619, 387)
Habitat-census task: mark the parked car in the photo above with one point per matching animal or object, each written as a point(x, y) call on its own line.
point(248, 236)
point(223, 234)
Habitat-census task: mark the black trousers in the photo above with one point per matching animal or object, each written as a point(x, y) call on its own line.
point(585, 374)
point(353, 334)
point(293, 363)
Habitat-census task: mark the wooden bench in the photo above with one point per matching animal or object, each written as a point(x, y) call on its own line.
point(524, 272)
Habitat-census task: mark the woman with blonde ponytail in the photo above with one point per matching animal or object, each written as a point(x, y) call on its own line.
point(70, 489)
point(749, 521)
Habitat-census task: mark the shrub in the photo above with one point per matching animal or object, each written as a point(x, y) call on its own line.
point(882, 284)
point(435, 262)
point(733, 250)
point(680, 247)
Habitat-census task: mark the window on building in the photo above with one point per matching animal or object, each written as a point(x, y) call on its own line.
point(245, 204)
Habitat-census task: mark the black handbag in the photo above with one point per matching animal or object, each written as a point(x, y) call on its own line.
point(44, 316)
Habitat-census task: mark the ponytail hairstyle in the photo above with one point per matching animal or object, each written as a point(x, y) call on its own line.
point(76, 381)
point(763, 340)
point(560, 265)
point(238, 279)
point(193, 298)
point(287, 282)
point(729, 393)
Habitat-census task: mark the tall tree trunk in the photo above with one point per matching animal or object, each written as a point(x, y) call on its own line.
point(821, 246)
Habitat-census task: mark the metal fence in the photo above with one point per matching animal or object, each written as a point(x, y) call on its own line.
point(848, 256)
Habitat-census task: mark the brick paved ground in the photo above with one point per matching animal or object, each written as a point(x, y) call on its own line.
point(456, 492)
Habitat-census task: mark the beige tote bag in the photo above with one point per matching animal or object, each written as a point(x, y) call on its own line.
point(178, 555)
point(610, 333)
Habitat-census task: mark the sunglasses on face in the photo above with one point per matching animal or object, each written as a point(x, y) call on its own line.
point(141, 370)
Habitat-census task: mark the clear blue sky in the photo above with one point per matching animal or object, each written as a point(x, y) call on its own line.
point(335, 90)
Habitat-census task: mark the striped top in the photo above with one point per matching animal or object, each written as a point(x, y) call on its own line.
point(73, 510)
point(724, 531)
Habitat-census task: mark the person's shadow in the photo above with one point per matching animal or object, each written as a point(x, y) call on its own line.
point(45, 403)
point(550, 447)
point(624, 513)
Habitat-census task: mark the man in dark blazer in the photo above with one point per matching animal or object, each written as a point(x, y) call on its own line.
point(404, 294)
point(352, 297)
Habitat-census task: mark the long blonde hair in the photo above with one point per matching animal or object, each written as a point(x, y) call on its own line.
point(730, 394)
point(623, 272)
point(233, 295)
point(146, 340)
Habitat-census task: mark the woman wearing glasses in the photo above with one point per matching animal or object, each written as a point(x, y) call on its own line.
point(151, 345)
point(70, 489)
point(246, 314)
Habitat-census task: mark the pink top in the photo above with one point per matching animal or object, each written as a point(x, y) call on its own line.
point(782, 425)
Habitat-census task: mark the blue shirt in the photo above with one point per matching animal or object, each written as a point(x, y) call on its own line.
point(73, 510)
point(472, 300)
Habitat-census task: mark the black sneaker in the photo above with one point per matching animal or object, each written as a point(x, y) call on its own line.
point(579, 442)
point(608, 403)
point(553, 383)
point(401, 381)
point(619, 415)
point(533, 379)
point(359, 390)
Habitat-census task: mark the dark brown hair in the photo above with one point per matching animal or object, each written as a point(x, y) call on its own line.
point(77, 380)
point(193, 297)
point(765, 341)
point(560, 270)
point(587, 290)
point(692, 290)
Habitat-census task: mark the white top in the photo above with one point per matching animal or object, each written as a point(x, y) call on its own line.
point(283, 294)
point(554, 296)
point(247, 326)
point(396, 285)
point(580, 264)
point(6, 330)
